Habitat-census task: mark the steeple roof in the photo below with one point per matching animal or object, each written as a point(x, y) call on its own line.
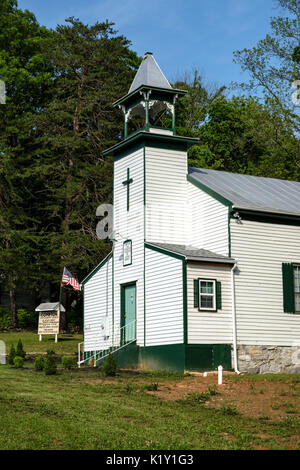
point(149, 74)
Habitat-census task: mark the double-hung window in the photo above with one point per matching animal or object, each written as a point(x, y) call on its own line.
point(207, 294)
point(297, 287)
point(291, 287)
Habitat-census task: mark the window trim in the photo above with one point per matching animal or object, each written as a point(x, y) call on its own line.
point(214, 295)
point(126, 241)
point(295, 265)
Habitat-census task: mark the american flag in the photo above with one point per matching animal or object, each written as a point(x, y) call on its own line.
point(68, 279)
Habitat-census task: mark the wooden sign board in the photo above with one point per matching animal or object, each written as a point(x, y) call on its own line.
point(49, 323)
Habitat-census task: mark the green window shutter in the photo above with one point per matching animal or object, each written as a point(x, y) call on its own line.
point(196, 293)
point(288, 288)
point(219, 296)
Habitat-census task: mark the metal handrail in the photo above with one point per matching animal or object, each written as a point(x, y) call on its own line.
point(124, 336)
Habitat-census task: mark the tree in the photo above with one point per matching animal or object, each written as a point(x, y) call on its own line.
point(242, 136)
point(274, 64)
point(28, 81)
point(191, 110)
point(93, 68)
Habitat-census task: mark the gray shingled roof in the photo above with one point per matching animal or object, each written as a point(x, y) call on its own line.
point(149, 74)
point(252, 192)
point(49, 306)
point(194, 254)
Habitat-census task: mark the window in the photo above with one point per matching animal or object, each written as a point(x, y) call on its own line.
point(297, 287)
point(127, 253)
point(291, 287)
point(207, 294)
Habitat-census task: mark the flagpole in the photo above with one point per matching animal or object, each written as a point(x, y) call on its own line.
point(59, 302)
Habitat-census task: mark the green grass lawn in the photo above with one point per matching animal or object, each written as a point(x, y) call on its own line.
point(72, 410)
point(67, 343)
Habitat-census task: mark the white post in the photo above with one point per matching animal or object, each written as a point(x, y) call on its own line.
point(220, 373)
point(79, 355)
point(56, 338)
point(41, 337)
point(95, 359)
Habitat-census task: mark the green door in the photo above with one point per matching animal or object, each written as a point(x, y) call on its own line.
point(128, 312)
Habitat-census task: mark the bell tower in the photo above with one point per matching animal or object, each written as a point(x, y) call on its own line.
point(150, 103)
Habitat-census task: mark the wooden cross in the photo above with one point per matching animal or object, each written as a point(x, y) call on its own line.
point(127, 183)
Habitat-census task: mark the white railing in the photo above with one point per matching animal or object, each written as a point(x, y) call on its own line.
point(122, 337)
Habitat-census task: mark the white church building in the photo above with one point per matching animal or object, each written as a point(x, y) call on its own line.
point(205, 265)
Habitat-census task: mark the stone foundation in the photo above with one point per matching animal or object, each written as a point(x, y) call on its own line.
point(269, 359)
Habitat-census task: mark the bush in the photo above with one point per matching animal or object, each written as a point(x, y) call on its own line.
point(5, 318)
point(18, 362)
point(27, 319)
point(68, 362)
point(12, 355)
point(50, 366)
point(39, 363)
point(20, 350)
point(110, 366)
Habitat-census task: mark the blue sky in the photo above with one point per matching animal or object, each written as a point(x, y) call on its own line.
point(181, 34)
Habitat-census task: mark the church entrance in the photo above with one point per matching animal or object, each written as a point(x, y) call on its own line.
point(128, 312)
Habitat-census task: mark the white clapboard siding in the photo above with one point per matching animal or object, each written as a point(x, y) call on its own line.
point(98, 309)
point(208, 221)
point(209, 327)
point(129, 225)
point(164, 299)
point(166, 195)
point(260, 249)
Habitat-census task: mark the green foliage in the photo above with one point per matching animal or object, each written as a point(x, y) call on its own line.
point(18, 362)
point(273, 64)
point(11, 355)
point(68, 362)
point(27, 320)
point(229, 410)
point(39, 363)
point(5, 318)
point(20, 350)
point(50, 366)
point(241, 135)
point(201, 398)
point(151, 387)
point(110, 366)
point(28, 78)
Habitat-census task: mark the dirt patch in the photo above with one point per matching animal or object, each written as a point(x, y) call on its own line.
point(262, 399)
point(259, 399)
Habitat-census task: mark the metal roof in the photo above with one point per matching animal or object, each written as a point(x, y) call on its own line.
point(254, 193)
point(49, 306)
point(149, 74)
point(193, 254)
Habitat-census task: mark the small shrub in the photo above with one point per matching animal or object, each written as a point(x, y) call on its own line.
point(5, 318)
point(18, 362)
point(129, 388)
point(151, 387)
point(39, 363)
point(50, 366)
point(110, 366)
point(229, 410)
point(27, 319)
point(68, 362)
point(20, 350)
point(50, 352)
point(12, 355)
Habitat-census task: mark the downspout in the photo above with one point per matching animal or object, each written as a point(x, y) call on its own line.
point(234, 330)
